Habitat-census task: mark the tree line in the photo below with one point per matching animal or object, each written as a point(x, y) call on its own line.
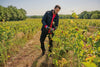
point(82, 15)
point(11, 13)
point(90, 15)
point(36, 16)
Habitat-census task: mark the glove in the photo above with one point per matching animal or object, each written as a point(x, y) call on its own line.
point(47, 28)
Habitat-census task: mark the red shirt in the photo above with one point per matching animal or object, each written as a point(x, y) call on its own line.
point(52, 22)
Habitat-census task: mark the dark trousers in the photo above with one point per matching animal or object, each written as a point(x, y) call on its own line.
point(42, 39)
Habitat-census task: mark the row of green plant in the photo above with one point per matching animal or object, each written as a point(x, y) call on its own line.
point(73, 45)
point(14, 35)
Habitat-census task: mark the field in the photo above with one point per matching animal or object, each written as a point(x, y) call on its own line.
point(76, 44)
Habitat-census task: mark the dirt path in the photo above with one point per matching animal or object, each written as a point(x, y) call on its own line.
point(30, 55)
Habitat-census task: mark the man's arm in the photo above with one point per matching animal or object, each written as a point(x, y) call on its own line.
point(56, 24)
point(44, 20)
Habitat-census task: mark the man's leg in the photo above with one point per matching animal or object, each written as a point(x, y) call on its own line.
point(42, 39)
point(50, 42)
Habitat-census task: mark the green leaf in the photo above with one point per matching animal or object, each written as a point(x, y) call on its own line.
point(89, 64)
point(97, 44)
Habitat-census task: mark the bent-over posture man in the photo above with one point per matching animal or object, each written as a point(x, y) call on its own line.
point(50, 22)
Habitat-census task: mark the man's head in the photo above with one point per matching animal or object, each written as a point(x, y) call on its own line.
point(57, 9)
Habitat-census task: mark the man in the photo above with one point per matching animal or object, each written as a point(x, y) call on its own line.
point(50, 22)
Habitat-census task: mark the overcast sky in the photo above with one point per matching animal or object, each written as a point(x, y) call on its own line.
point(38, 7)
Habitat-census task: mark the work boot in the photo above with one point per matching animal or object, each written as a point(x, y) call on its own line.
point(43, 52)
point(50, 49)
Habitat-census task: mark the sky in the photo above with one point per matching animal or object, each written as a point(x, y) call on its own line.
point(39, 7)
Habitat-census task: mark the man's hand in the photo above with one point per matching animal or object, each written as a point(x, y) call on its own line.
point(46, 26)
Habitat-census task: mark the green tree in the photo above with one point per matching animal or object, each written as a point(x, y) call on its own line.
point(74, 15)
point(95, 16)
point(2, 16)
